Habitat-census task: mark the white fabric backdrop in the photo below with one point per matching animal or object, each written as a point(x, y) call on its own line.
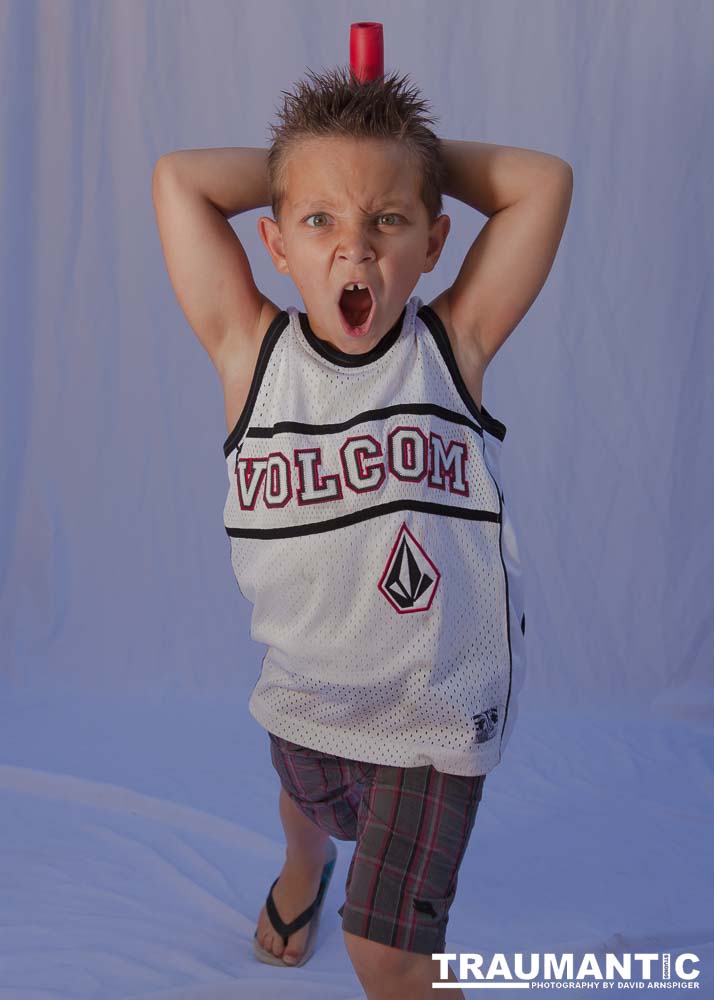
point(139, 830)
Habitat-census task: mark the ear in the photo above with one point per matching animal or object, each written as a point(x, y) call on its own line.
point(269, 232)
point(437, 238)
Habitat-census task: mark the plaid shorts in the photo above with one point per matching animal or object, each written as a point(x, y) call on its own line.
point(411, 826)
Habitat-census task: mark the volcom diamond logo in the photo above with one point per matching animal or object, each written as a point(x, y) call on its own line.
point(410, 578)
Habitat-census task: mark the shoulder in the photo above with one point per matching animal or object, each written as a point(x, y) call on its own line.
point(241, 347)
point(466, 350)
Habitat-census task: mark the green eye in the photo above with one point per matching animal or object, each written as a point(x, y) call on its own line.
point(322, 215)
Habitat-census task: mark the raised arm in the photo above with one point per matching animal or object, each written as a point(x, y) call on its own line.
point(526, 195)
point(195, 192)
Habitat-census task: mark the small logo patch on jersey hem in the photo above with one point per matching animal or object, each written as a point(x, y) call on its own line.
point(486, 723)
point(409, 579)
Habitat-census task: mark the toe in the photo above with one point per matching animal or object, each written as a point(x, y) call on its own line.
point(265, 933)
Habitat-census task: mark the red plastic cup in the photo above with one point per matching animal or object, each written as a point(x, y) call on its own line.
point(366, 50)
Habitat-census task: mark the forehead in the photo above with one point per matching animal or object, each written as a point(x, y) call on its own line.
point(333, 170)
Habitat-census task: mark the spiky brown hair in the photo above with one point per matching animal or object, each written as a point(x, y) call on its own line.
point(336, 103)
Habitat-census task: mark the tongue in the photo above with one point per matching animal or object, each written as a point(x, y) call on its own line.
point(356, 306)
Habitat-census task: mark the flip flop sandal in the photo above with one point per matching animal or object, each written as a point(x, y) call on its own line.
point(312, 913)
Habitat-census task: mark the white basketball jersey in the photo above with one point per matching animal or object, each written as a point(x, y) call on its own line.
point(368, 529)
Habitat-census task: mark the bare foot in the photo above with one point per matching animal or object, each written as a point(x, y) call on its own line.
point(295, 889)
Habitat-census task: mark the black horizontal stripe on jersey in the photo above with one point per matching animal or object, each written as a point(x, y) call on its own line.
point(299, 427)
point(377, 510)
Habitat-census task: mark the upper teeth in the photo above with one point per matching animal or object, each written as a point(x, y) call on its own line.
point(352, 287)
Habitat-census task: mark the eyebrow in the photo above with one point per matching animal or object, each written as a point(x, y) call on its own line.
point(323, 203)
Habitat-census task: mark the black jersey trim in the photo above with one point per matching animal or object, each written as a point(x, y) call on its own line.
point(270, 339)
point(508, 606)
point(338, 357)
point(381, 413)
point(378, 510)
point(487, 421)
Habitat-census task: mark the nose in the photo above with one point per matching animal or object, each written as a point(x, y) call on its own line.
point(355, 247)
point(357, 254)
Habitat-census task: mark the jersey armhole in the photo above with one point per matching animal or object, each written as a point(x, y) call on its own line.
point(485, 420)
point(277, 325)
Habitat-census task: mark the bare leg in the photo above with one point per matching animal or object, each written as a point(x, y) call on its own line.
point(391, 974)
point(305, 856)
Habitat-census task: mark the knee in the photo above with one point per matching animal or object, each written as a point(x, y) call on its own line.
point(377, 963)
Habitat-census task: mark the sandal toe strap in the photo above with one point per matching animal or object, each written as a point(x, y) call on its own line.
point(285, 930)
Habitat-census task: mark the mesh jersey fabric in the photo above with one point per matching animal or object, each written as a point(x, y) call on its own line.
point(368, 529)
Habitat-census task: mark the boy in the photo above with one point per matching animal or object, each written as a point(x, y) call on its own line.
point(365, 513)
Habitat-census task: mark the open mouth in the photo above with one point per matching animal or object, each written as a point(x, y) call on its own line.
point(356, 309)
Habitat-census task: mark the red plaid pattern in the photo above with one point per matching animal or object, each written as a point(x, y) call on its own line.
point(411, 826)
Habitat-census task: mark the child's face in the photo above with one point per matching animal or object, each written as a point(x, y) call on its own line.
point(352, 210)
